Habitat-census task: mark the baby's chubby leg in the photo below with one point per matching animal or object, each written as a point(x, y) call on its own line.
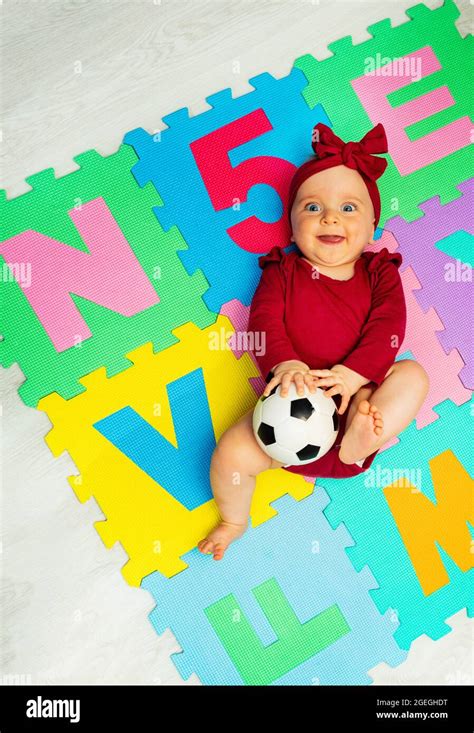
point(235, 463)
point(377, 416)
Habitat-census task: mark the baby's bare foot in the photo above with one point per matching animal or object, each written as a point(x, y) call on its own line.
point(363, 433)
point(220, 538)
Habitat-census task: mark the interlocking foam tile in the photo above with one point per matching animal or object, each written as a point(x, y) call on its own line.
point(238, 314)
point(420, 94)
point(296, 614)
point(95, 275)
point(422, 340)
point(446, 282)
point(143, 439)
point(237, 160)
point(408, 517)
point(429, 662)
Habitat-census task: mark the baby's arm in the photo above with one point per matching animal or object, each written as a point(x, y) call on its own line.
point(382, 334)
point(267, 317)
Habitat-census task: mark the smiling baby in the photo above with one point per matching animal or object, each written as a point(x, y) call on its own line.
point(333, 316)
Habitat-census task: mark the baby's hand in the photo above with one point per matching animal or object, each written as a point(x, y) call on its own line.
point(325, 377)
point(291, 371)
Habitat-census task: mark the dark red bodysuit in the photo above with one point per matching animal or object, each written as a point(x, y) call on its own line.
point(314, 318)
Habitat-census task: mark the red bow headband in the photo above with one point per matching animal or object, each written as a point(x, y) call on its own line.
point(330, 150)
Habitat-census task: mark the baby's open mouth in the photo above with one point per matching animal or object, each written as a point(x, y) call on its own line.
point(331, 239)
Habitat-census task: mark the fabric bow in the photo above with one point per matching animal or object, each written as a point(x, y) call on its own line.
point(353, 155)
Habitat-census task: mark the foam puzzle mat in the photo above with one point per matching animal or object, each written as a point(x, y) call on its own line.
point(127, 314)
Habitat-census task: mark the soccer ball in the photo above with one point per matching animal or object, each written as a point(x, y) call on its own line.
point(295, 429)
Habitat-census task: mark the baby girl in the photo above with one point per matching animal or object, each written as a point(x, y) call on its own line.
point(333, 316)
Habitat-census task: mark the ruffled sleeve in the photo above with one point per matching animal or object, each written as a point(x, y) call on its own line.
point(267, 313)
point(377, 260)
point(384, 330)
point(275, 255)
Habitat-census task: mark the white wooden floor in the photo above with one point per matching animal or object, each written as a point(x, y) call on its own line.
point(77, 75)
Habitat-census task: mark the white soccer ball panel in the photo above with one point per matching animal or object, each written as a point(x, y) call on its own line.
point(325, 405)
point(278, 453)
point(292, 434)
point(275, 409)
point(323, 429)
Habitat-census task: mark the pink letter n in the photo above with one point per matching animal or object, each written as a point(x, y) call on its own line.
point(110, 275)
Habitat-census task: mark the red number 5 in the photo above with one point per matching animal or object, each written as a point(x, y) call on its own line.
point(224, 183)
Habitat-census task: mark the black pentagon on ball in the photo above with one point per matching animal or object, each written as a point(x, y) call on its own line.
point(335, 420)
point(266, 433)
point(309, 451)
point(302, 409)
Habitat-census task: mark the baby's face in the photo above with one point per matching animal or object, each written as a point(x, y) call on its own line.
point(334, 201)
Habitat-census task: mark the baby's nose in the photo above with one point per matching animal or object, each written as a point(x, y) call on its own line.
point(330, 215)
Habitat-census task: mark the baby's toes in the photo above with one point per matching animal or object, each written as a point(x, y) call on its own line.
point(378, 426)
point(218, 552)
point(205, 546)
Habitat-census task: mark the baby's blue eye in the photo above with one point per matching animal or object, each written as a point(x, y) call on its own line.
point(309, 207)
